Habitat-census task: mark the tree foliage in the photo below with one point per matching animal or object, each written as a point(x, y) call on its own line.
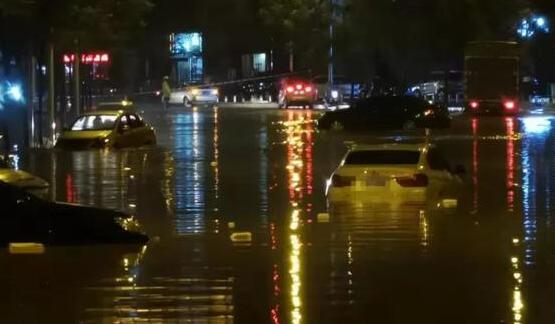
point(405, 39)
point(301, 24)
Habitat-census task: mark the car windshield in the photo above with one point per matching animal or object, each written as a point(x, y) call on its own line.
point(94, 122)
point(374, 157)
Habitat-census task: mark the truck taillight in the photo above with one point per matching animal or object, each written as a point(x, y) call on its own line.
point(341, 181)
point(414, 181)
point(299, 86)
point(290, 89)
point(308, 89)
point(474, 104)
point(509, 105)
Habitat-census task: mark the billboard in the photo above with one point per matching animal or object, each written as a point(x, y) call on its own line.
point(185, 45)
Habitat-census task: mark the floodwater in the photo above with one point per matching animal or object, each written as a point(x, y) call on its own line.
point(233, 200)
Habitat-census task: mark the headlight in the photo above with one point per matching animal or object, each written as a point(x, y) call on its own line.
point(195, 92)
point(215, 92)
point(129, 224)
point(335, 94)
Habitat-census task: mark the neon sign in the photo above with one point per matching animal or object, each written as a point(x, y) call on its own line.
point(88, 58)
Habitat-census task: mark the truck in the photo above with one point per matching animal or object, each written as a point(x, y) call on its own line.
point(491, 77)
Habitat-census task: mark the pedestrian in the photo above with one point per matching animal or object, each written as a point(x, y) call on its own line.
point(166, 91)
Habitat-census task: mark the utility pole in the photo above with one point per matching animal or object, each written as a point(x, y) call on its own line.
point(51, 96)
point(77, 79)
point(331, 49)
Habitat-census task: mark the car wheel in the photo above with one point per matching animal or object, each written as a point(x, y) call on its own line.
point(337, 126)
point(186, 102)
point(409, 125)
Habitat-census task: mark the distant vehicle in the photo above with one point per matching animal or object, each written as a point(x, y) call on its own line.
point(492, 72)
point(107, 129)
point(22, 179)
point(386, 113)
point(192, 95)
point(296, 93)
point(343, 90)
point(27, 218)
point(401, 173)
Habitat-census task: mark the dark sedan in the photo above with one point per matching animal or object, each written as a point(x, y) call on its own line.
point(26, 218)
point(386, 113)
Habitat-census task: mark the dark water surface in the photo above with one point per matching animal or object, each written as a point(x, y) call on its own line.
point(223, 173)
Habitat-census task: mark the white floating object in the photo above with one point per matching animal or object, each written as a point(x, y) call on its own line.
point(449, 203)
point(231, 225)
point(241, 237)
point(323, 218)
point(26, 248)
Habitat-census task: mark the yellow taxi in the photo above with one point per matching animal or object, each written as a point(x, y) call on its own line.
point(22, 179)
point(107, 129)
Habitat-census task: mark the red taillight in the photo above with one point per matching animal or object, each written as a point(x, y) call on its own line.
point(341, 181)
point(416, 180)
point(299, 86)
point(474, 104)
point(308, 89)
point(509, 105)
point(290, 89)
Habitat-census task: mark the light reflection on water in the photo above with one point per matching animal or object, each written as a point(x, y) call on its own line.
point(355, 267)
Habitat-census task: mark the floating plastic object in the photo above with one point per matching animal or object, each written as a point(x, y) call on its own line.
point(449, 203)
point(26, 248)
point(231, 225)
point(241, 237)
point(323, 218)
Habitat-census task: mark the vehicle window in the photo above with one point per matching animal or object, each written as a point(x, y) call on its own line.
point(382, 157)
point(133, 122)
point(123, 122)
point(436, 161)
point(94, 122)
point(138, 121)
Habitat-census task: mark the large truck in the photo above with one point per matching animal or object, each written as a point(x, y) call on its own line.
point(491, 77)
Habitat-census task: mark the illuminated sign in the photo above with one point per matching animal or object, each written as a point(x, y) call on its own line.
point(185, 45)
point(88, 58)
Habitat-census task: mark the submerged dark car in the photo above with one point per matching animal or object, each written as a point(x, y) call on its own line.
point(378, 113)
point(27, 218)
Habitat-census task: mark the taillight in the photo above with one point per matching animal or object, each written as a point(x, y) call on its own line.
point(299, 86)
point(308, 89)
point(474, 104)
point(290, 89)
point(509, 105)
point(416, 180)
point(341, 181)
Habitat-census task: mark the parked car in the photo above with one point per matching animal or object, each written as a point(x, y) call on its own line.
point(22, 179)
point(402, 112)
point(107, 129)
point(296, 93)
point(388, 173)
point(27, 218)
point(192, 95)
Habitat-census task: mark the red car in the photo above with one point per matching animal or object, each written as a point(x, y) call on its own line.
point(297, 93)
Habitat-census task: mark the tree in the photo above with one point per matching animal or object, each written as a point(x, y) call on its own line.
point(301, 25)
point(404, 40)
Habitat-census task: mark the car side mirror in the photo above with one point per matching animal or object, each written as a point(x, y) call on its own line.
point(460, 170)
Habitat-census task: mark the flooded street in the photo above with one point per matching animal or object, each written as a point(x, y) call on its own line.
point(234, 203)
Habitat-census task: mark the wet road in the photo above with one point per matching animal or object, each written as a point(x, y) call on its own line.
point(222, 173)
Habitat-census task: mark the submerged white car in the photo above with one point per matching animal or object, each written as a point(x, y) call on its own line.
point(192, 95)
point(394, 174)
